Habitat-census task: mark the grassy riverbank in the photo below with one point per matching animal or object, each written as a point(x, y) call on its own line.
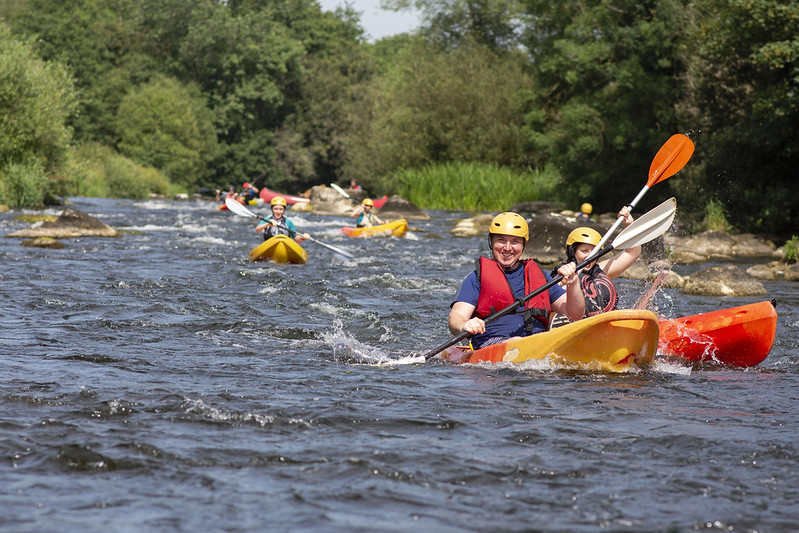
point(473, 186)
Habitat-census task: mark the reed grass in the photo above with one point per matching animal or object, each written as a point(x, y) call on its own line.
point(716, 217)
point(473, 186)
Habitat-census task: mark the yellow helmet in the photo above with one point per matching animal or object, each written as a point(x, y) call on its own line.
point(368, 201)
point(278, 200)
point(509, 224)
point(586, 208)
point(581, 236)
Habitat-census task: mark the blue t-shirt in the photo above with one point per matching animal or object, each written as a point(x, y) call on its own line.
point(512, 324)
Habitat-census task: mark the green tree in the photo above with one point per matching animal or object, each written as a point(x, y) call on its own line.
point(495, 24)
point(610, 75)
point(166, 125)
point(436, 106)
point(36, 100)
point(746, 75)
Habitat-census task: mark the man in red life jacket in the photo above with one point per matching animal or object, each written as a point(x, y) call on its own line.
point(501, 280)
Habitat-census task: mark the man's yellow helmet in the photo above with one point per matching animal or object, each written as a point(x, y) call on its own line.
point(278, 200)
point(509, 224)
point(368, 201)
point(586, 208)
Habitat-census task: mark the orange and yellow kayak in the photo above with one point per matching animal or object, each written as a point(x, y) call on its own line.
point(739, 336)
point(617, 341)
point(280, 249)
point(397, 228)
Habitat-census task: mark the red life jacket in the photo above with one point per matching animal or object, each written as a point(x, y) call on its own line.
point(496, 294)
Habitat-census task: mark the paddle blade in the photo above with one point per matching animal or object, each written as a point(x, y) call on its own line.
point(670, 159)
point(649, 226)
point(239, 209)
point(340, 190)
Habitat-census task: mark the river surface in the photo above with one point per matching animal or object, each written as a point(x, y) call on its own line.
point(159, 381)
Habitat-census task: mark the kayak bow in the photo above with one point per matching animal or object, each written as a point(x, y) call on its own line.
point(739, 336)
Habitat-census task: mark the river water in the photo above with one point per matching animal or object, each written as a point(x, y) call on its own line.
point(158, 381)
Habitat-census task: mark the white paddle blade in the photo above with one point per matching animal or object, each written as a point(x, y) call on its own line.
point(239, 209)
point(651, 225)
point(340, 190)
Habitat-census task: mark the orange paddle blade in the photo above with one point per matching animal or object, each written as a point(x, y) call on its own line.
point(670, 159)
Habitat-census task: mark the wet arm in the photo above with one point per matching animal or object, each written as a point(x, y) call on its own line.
point(460, 320)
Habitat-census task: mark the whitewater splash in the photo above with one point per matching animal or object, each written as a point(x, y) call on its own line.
point(349, 350)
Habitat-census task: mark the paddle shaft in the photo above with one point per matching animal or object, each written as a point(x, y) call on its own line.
point(518, 303)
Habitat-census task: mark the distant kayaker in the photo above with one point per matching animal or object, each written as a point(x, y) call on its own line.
point(277, 224)
point(354, 186)
point(366, 214)
point(249, 192)
point(231, 193)
point(501, 280)
point(595, 279)
point(585, 212)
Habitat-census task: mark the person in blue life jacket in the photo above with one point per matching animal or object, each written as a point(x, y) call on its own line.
point(596, 278)
point(277, 224)
point(502, 279)
point(249, 192)
point(585, 212)
point(366, 214)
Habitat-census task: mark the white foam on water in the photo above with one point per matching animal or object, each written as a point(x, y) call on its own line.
point(347, 349)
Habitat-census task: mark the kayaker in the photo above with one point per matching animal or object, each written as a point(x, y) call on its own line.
point(499, 281)
point(595, 279)
point(366, 214)
point(277, 224)
point(231, 193)
point(249, 192)
point(585, 212)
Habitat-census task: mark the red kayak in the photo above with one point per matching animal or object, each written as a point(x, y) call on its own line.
point(267, 196)
point(739, 336)
point(379, 202)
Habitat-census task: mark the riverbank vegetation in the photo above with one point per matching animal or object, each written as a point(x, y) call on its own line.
point(486, 105)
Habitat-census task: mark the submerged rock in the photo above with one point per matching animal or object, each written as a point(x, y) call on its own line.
point(71, 223)
point(44, 242)
point(728, 280)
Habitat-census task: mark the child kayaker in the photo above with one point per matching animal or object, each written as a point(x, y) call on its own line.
point(595, 279)
point(366, 214)
point(277, 224)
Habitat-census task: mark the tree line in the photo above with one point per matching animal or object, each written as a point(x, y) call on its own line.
point(124, 97)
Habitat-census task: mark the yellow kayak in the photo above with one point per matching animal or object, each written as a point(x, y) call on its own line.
point(397, 228)
point(279, 249)
point(616, 341)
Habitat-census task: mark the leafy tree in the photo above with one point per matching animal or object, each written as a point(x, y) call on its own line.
point(436, 106)
point(495, 24)
point(746, 74)
point(166, 125)
point(100, 44)
point(609, 74)
point(36, 100)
